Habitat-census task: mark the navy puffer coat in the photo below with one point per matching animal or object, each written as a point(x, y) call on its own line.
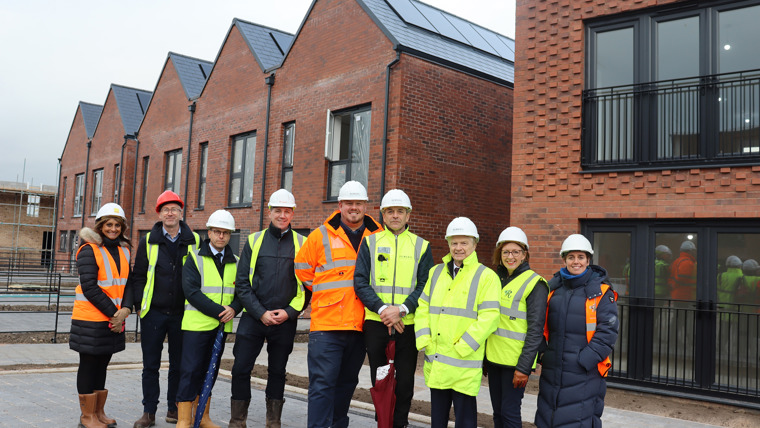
point(571, 390)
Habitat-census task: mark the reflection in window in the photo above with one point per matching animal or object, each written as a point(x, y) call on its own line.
point(347, 148)
point(202, 175)
point(173, 171)
point(287, 156)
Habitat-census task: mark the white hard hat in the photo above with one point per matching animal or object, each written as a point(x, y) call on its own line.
point(733, 262)
point(749, 267)
point(352, 191)
point(662, 250)
point(395, 198)
point(282, 198)
point(688, 246)
point(513, 234)
point(576, 242)
point(111, 209)
point(462, 226)
point(221, 219)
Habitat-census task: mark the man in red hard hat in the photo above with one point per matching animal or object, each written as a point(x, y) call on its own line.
point(161, 302)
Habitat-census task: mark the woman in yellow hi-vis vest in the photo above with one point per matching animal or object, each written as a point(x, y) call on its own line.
point(101, 306)
point(581, 330)
point(511, 349)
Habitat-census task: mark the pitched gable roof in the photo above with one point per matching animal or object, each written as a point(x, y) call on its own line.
point(267, 44)
point(192, 73)
point(132, 104)
point(421, 29)
point(90, 117)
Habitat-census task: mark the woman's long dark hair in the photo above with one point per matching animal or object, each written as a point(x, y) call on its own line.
point(123, 237)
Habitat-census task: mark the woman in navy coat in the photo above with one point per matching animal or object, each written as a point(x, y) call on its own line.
point(581, 330)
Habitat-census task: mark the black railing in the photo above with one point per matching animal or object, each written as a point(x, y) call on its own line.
point(690, 347)
point(702, 120)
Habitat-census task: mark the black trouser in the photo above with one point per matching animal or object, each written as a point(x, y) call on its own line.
point(506, 400)
point(91, 375)
point(249, 340)
point(376, 338)
point(465, 408)
point(197, 347)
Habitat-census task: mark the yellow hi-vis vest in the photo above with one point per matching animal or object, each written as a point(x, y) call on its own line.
point(217, 289)
point(152, 250)
point(254, 241)
point(505, 345)
point(110, 280)
point(453, 321)
point(395, 276)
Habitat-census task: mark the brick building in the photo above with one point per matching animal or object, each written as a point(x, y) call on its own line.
point(392, 93)
point(636, 124)
point(26, 224)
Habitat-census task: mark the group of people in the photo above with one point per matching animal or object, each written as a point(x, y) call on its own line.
point(368, 283)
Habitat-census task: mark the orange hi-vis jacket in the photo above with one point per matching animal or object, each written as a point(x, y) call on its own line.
point(591, 305)
point(325, 264)
point(110, 280)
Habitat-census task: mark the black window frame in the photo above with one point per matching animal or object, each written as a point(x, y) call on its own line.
point(288, 137)
point(645, 88)
point(202, 175)
point(63, 197)
point(145, 172)
point(78, 195)
point(96, 197)
point(332, 194)
point(173, 158)
point(241, 139)
point(116, 182)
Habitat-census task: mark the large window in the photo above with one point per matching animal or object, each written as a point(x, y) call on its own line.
point(347, 148)
point(97, 191)
point(78, 195)
point(203, 165)
point(688, 306)
point(241, 170)
point(173, 171)
point(288, 142)
point(673, 87)
point(144, 195)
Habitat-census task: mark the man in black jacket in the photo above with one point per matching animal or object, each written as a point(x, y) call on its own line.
point(157, 282)
point(273, 297)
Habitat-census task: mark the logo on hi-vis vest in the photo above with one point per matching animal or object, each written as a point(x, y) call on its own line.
point(508, 293)
point(593, 308)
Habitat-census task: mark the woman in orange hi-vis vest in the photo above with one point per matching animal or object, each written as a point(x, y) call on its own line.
point(581, 330)
point(101, 307)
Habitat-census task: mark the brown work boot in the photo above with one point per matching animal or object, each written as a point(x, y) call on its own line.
point(102, 397)
point(89, 419)
point(171, 416)
point(274, 412)
point(185, 414)
point(145, 421)
point(238, 413)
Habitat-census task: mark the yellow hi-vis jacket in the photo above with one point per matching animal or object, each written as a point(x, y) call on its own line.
point(217, 289)
point(254, 241)
point(152, 252)
point(505, 345)
point(395, 276)
point(453, 321)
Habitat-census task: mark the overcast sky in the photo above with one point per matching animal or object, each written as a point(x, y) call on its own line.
point(54, 54)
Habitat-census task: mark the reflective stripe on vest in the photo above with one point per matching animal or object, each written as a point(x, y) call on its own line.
point(217, 289)
point(331, 264)
point(393, 271)
point(112, 286)
point(469, 311)
point(152, 253)
point(254, 241)
point(591, 306)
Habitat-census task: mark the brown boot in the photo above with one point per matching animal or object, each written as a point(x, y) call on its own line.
point(102, 397)
point(238, 413)
point(185, 414)
point(206, 420)
point(274, 412)
point(146, 420)
point(87, 404)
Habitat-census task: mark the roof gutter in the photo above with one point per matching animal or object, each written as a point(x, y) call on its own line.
point(269, 80)
point(191, 109)
point(385, 119)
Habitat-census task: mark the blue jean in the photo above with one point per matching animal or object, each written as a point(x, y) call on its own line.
point(197, 347)
point(465, 408)
point(334, 359)
point(249, 340)
point(155, 326)
point(505, 398)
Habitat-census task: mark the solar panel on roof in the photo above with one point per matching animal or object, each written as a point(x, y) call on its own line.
point(439, 21)
point(410, 14)
point(498, 43)
point(471, 34)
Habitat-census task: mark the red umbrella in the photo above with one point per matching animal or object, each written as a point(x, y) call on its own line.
point(384, 391)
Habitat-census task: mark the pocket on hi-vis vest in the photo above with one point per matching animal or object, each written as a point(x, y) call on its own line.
point(329, 299)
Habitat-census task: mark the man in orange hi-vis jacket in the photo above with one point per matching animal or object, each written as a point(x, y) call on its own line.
point(325, 265)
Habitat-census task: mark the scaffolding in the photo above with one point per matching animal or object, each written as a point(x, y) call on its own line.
point(27, 226)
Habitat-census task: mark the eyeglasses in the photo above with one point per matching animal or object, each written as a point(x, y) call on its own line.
point(171, 210)
point(514, 253)
point(220, 233)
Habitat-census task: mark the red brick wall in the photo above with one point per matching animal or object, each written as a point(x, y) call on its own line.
point(552, 195)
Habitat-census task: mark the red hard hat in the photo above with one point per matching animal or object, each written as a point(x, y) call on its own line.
point(168, 197)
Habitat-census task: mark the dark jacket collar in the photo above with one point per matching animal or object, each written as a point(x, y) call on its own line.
point(205, 251)
point(504, 275)
point(277, 232)
point(186, 236)
point(591, 280)
point(369, 222)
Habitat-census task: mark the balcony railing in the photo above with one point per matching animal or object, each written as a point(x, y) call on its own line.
point(703, 120)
